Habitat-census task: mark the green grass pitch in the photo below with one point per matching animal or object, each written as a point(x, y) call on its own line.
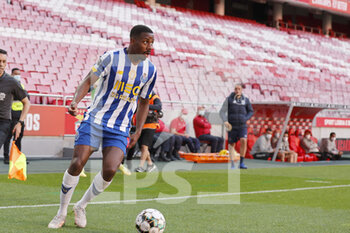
point(311, 210)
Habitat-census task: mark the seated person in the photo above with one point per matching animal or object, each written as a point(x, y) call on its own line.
point(169, 144)
point(178, 127)
point(251, 139)
point(262, 148)
point(289, 155)
point(309, 145)
point(274, 140)
point(329, 149)
point(202, 129)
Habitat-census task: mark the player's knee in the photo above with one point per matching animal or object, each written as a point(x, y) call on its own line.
point(243, 141)
point(144, 148)
point(109, 172)
point(76, 166)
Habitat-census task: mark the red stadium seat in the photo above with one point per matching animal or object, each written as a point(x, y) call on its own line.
point(53, 53)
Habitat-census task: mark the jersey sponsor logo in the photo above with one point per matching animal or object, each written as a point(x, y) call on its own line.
point(132, 74)
point(127, 88)
point(122, 97)
point(65, 190)
point(2, 96)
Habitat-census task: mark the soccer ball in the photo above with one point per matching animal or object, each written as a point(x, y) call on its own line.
point(150, 221)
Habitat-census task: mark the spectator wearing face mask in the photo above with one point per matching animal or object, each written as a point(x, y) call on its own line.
point(262, 148)
point(274, 140)
point(202, 129)
point(285, 152)
point(308, 144)
point(329, 148)
point(178, 127)
point(16, 111)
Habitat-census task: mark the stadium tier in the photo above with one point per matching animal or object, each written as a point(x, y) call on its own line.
point(200, 56)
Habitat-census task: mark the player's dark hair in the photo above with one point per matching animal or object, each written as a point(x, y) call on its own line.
point(14, 69)
point(3, 51)
point(268, 129)
point(332, 134)
point(138, 29)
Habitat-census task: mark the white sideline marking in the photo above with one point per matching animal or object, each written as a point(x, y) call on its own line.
point(186, 197)
point(318, 181)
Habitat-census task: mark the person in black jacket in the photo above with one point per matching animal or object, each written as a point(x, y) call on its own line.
point(16, 111)
point(10, 89)
point(235, 112)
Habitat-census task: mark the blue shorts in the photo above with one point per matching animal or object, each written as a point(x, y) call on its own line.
point(236, 134)
point(91, 134)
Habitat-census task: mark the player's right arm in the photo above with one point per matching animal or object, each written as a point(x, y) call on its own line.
point(223, 115)
point(99, 70)
point(81, 92)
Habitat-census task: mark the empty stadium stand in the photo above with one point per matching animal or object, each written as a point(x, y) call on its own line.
point(200, 56)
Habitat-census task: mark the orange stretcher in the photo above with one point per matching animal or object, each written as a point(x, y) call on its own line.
point(205, 157)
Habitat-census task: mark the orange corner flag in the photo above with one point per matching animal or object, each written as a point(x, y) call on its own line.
point(18, 164)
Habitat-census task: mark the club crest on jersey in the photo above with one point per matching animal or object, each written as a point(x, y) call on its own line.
point(144, 78)
point(132, 74)
point(240, 102)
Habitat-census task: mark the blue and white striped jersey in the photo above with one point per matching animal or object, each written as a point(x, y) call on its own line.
point(119, 86)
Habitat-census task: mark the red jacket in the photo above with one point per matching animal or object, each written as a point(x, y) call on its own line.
point(162, 127)
point(201, 125)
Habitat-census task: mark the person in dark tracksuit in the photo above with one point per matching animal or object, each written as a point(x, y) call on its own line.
point(235, 112)
point(16, 112)
point(10, 89)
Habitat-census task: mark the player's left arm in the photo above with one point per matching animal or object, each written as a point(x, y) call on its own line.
point(143, 108)
point(141, 115)
point(20, 94)
point(250, 110)
point(18, 127)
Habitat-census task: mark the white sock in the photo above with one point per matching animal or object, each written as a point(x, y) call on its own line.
point(98, 186)
point(68, 185)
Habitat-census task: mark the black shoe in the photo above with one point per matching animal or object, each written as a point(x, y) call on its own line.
point(162, 157)
point(6, 161)
point(177, 156)
point(172, 158)
point(159, 158)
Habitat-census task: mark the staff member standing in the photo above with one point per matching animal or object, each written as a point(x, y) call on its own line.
point(235, 112)
point(16, 111)
point(149, 128)
point(10, 89)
